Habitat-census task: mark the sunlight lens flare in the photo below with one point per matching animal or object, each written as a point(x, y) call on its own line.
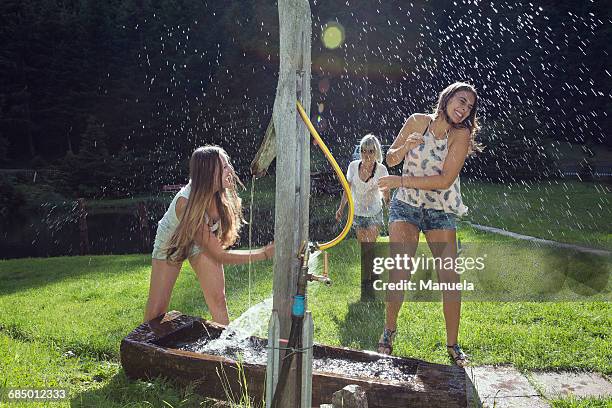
point(332, 35)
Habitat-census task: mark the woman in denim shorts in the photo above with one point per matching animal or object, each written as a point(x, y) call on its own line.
point(433, 148)
point(362, 176)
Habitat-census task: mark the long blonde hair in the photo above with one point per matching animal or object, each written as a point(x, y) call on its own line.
point(205, 172)
point(471, 122)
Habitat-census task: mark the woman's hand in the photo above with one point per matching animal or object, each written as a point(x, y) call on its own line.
point(339, 214)
point(387, 183)
point(269, 250)
point(414, 139)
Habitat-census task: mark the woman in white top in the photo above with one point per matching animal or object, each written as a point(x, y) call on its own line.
point(433, 148)
point(202, 221)
point(362, 176)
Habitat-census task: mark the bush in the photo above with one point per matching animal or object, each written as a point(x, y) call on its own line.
point(12, 202)
point(3, 149)
point(38, 163)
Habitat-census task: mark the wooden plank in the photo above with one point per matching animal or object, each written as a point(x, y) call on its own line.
point(266, 153)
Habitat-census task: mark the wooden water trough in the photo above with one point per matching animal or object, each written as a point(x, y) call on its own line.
point(150, 351)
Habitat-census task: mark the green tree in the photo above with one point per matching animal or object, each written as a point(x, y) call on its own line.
point(93, 142)
point(91, 172)
point(3, 148)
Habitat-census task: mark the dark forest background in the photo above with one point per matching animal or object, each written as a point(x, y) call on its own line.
point(109, 98)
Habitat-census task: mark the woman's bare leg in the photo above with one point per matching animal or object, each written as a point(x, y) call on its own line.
point(403, 239)
point(369, 234)
point(212, 281)
point(443, 244)
point(163, 278)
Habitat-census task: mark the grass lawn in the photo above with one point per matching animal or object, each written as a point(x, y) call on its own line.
point(62, 319)
point(565, 211)
point(546, 335)
point(573, 402)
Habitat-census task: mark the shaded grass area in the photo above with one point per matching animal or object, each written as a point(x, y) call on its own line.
point(62, 320)
point(90, 382)
point(564, 211)
point(530, 335)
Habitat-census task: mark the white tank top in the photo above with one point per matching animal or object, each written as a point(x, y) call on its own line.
point(427, 159)
point(170, 220)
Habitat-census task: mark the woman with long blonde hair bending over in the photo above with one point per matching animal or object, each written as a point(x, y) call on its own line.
point(202, 221)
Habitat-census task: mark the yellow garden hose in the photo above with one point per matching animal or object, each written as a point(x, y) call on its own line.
point(339, 173)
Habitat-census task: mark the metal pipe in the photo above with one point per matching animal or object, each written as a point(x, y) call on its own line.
point(299, 342)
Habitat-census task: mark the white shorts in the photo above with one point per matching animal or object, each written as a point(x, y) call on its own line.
point(162, 238)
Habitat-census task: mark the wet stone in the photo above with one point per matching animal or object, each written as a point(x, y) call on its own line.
point(251, 352)
point(383, 368)
point(504, 387)
point(556, 384)
point(351, 396)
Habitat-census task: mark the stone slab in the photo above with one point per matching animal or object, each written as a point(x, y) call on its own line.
point(563, 384)
point(504, 387)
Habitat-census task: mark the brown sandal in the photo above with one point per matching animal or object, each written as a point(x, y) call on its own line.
point(386, 342)
point(458, 356)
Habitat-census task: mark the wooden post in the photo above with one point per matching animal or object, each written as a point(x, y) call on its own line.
point(83, 230)
point(292, 165)
point(273, 364)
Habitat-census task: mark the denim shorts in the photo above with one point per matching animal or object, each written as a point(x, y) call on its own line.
point(162, 238)
point(425, 219)
point(367, 222)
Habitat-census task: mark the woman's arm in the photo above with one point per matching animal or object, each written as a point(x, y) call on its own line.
point(385, 193)
point(344, 199)
point(212, 246)
point(406, 140)
point(343, 202)
point(457, 152)
point(386, 197)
